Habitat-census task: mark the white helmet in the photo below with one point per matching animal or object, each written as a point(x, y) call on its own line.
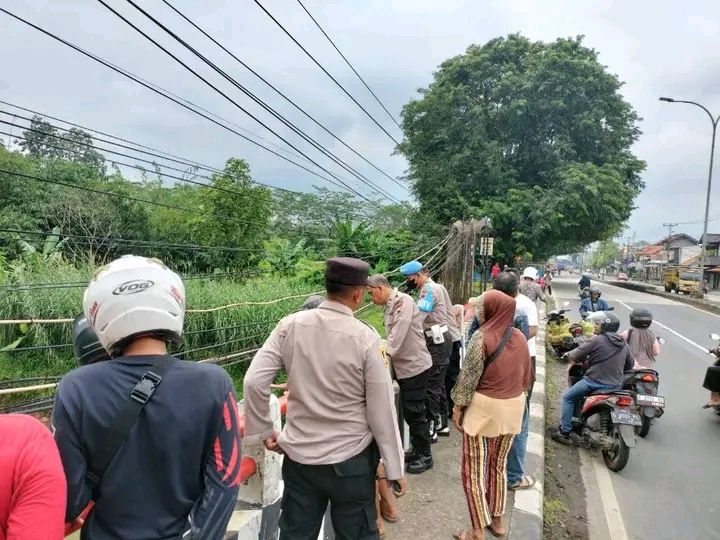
point(133, 296)
point(530, 272)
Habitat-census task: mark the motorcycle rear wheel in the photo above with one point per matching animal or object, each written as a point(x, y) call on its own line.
point(645, 428)
point(617, 458)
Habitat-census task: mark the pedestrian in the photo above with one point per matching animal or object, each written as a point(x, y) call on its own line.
point(457, 313)
point(548, 281)
point(434, 305)
point(526, 308)
point(154, 464)
point(341, 413)
point(529, 287)
point(495, 270)
point(489, 402)
point(405, 343)
point(32, 483)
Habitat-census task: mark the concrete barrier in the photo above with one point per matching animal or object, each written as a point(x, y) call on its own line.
point(526, 522)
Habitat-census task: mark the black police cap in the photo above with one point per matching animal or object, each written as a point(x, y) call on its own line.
point(347, 271)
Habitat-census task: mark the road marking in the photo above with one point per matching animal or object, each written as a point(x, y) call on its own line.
point(609, 500)
point(678, 334)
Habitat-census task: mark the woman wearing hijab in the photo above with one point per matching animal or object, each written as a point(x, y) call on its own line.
point(489, 399)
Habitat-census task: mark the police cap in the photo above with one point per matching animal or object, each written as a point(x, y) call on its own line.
point(347, 271)
point(313, 301)
point(410, 268)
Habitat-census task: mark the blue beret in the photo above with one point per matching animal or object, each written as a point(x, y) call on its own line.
point(413, 267)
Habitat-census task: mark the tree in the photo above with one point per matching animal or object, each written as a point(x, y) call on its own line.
point(604, 254)
point(535, 136)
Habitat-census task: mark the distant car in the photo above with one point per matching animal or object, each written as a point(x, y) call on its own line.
point(622, 276)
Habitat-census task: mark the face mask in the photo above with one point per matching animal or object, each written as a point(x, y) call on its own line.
point(411, 284)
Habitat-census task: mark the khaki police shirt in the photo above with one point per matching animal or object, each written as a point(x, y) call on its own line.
point(435, 307)
point(340, 392)
point(405, 336)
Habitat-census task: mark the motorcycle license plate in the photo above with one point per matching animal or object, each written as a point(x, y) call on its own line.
point(650, 401)
point(625, 417)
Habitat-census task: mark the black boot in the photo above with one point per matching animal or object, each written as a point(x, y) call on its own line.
point(420, 464)
point(410, 455)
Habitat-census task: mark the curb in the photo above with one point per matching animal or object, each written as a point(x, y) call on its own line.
point(527, 515)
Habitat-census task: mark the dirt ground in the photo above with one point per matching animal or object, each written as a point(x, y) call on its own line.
point(565, 499)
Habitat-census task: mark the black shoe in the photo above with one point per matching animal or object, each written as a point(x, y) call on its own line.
point(433, 437)
point(419, 465)
point(560, 436)
point(410, 455)
point(444, 430)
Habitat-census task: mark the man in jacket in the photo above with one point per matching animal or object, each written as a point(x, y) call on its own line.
point(594, 302)
point(608, 357)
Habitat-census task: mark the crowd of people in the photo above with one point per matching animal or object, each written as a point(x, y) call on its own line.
point(131, 457)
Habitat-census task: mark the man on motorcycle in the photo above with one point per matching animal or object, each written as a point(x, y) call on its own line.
point(607, 357)
point(594, 302)
point(584, 281)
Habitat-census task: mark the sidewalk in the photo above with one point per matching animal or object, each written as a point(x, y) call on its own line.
point(435, 505)
point(711, 296)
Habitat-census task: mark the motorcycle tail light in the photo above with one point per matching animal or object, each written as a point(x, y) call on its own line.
point(624, 401)
point(648, 377)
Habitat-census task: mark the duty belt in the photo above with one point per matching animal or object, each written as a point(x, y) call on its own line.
point(443, 329)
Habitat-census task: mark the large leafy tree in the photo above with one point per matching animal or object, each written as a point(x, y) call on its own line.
point(535, 136)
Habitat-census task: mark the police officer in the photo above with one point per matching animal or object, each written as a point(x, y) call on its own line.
point(341, 413)
point(434, 306)
point(411, 362)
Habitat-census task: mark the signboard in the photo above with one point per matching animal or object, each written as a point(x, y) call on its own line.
point(485, 247)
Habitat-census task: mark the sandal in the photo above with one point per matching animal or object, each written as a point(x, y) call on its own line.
point(526, 482)
point(495, 533)
point(465, 535)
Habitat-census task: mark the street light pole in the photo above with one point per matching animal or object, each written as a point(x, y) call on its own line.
point(703, 246)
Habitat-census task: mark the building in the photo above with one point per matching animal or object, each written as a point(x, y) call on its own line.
point(679, 248)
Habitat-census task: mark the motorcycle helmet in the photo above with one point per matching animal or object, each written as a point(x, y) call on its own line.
point(133, 297)
point(595, 290)
point(640, 318)
point(88, 348)
point(607, 321)
point(585, 293)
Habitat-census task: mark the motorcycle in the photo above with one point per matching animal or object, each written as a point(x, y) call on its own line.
point(605, 420)
point(643, 383)
point(712, 376)
point(564, 336)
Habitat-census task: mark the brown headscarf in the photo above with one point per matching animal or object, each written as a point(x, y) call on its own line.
point(510, 374)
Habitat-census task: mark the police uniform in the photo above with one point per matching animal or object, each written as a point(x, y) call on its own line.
point(341, 414)
point(412, 362)
point(434, 313)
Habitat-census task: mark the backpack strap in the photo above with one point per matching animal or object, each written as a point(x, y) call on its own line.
point(493, 356)
point(119, 430)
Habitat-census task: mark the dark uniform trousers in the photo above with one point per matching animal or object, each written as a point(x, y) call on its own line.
point(348, 486)
point(436, 398)
point(453, 371)
point(413, 394)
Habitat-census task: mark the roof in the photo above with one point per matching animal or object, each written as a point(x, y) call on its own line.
point(713, 238)
point(674, 237)
point(651, 251)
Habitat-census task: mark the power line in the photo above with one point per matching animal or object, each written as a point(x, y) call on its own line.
point(347, 62)
point(364, 179)
point(156, 89)
point(281, 94)
point(92, 130)
point(318, 64)
point(120, 196)
point(223, 94)
point(100, 149)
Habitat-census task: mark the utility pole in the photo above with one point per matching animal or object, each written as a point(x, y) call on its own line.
point(670, 228)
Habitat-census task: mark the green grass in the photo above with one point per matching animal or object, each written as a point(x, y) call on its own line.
point(554, 512)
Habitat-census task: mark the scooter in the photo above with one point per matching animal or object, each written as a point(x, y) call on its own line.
point(643, 383)
point(605, 420)
point(712, 375)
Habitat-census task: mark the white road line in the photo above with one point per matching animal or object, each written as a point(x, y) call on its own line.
point(678, 334)
point(609, 500)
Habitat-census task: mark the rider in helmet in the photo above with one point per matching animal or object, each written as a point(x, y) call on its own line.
point(643, 344)
point(175, 473)
point(594, 302)
point(607, 357)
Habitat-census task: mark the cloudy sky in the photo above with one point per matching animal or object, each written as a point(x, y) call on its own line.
point(658, 47)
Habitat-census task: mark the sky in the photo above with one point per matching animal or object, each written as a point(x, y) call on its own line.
point(658, 47)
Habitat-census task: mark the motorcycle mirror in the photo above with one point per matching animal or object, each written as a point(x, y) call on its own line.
point(715, 337)
point(610, 308)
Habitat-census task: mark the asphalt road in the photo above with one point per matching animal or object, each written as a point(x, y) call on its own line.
point(669, 490)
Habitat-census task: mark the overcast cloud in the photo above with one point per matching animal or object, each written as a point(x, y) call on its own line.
point(656, 47)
